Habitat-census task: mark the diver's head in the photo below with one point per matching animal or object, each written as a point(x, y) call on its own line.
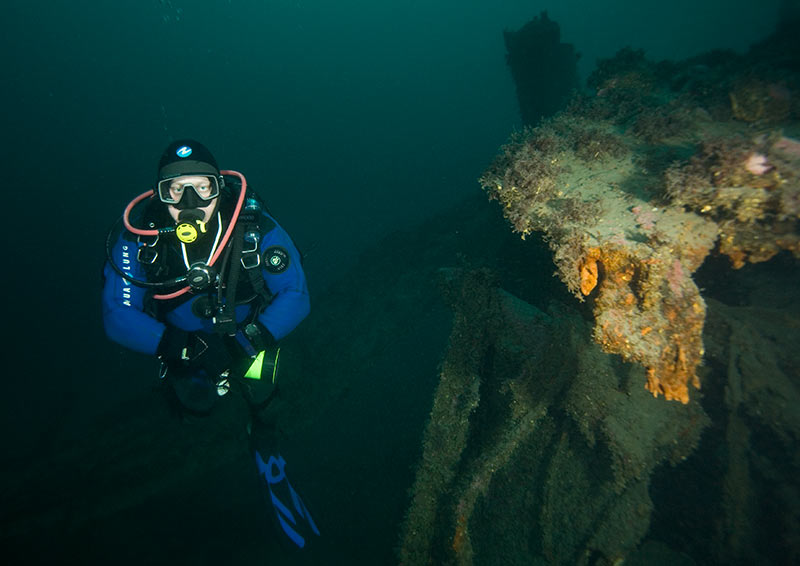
point(189, 181)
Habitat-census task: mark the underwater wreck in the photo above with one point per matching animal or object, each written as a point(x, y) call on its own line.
point(546, 436)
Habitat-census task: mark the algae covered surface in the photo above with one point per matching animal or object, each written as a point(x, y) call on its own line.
point(667, 193)
point(635, 185)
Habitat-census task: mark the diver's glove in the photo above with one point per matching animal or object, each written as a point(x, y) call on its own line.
point(258, 336)
point(174, 345)
point(210, 352)
point(198, 349)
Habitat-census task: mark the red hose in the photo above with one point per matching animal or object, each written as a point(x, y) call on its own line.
point(225, 238)
point(126, 215)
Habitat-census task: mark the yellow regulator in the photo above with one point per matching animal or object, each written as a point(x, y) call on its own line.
point(186, 233)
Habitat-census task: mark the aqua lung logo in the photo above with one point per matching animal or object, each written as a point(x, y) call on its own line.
point(126, 267)
point(184, 151)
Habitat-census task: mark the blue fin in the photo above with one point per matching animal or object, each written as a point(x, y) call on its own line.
point(273, 472)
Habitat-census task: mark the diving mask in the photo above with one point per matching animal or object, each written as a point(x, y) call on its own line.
point(199, 189)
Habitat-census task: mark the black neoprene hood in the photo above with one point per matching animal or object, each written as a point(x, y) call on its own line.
point(186, 157)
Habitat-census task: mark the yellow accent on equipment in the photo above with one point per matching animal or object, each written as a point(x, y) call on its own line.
point(186, 233)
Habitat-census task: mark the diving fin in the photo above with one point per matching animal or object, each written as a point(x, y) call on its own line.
point(293, 516)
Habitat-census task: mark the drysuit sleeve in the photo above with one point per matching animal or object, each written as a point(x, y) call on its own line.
point(286, 280)
point(124, 318)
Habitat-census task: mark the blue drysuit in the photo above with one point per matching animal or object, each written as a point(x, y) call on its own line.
point(128, 322)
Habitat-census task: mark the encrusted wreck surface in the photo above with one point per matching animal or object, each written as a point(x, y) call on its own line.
point(538, 449)
point(634, 185)
point(543, 449)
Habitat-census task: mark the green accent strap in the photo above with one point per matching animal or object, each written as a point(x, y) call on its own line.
point(254, 371)
point(275, 365)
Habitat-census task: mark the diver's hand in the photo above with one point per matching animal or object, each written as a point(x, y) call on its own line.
point(199, 349)
point(259, 337)
point(174, 345)
point(210, 352)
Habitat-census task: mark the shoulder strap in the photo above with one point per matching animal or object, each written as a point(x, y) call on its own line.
point(245, 255)
point(225, 321)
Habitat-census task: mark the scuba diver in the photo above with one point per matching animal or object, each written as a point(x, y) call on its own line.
point(204, 278)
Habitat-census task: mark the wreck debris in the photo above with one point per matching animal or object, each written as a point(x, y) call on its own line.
point(455, 399)
point(756, 362)
point(632, 258)
point(536, 447)
point(629, 222)
point(750, 188)
point(544, 68)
